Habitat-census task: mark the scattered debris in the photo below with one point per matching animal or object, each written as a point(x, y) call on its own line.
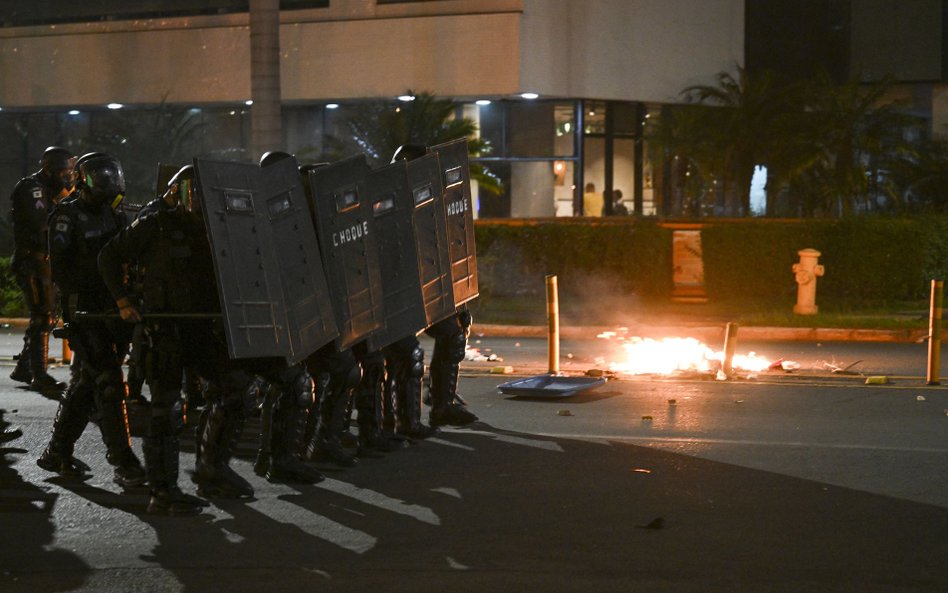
point(877, 380)
point(920, 398)
point(516, 344)
point(474, 354)
point(738, 401)
point(642, 470)
point(720, 375)
point(563, 413)
point(847, 370)
point(569, 355)
point(501, 370)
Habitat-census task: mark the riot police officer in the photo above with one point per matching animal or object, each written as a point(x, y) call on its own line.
point(78, 229)
point(172, 246)
point(32, 200)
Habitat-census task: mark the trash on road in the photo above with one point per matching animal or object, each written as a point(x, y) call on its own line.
point(877, 380)
point(501, 370)
point(563, 413)
point(550, 386)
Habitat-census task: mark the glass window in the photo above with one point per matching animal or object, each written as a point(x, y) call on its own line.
point(29, 12)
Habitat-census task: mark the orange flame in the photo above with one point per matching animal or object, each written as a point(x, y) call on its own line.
point(670, 355)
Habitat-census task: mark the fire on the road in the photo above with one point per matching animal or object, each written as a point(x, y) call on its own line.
point(670, 355)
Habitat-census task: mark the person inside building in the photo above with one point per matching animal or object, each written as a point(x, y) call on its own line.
point(78, 229)
point(592, 201)
point(33, 198)
point(618, 208)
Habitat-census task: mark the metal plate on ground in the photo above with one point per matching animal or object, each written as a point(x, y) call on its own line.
point(550, 386)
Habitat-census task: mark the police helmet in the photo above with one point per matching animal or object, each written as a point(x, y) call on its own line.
point(56, 158)
point(274, 156)
point(409, 152)
point(76, 173)
point(57, 165)
point(103, 180)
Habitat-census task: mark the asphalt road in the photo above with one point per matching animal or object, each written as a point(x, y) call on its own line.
point(787, 481)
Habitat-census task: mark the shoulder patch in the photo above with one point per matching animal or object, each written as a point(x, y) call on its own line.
point(37, 192)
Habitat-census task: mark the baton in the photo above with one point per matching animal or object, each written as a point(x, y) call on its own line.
point(106, 316)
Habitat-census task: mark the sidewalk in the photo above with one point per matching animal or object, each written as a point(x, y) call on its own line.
point(701, 330)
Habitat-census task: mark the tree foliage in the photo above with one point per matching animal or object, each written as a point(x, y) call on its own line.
point(830, 149)
point(378, 128)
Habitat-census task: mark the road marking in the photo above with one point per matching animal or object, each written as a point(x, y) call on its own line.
point(379, 500)
point(506, 438)
point(315, 525)
point(710, 441)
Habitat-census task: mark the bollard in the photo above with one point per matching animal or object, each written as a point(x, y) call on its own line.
point(730, 343)
point(553, 321)
point(934, 332)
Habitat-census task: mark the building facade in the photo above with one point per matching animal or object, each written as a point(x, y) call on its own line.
point(163, 81)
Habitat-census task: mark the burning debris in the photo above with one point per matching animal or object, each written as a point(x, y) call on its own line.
point(676, 355)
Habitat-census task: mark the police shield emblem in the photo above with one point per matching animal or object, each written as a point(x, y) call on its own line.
point(456, 176)
point(388, 192)
point(273, 290)
point(343, 216)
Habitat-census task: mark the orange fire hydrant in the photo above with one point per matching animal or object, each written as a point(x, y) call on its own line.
point(806, 273)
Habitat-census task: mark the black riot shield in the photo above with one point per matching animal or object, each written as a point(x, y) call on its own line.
point(430, 226)
point(459, 211)
point(273, 290)
point(388, 192)
point(342, 213)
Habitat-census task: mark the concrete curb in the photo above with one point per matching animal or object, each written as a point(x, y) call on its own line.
point(710, 333)
point(700, 332)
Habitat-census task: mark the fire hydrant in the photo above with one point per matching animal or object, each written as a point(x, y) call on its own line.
point(806, 273)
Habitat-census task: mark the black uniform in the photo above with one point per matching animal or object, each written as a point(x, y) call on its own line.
point(173, 249)
point(32, 200)
point(79, 227)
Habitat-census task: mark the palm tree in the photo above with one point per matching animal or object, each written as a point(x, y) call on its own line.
point(379, 128)
point(743, 132)
point(858, 133)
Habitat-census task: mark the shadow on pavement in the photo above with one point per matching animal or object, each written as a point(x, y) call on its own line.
point(489, 510)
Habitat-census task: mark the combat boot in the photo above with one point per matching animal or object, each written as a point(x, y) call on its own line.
point(21, 372)
point(63, 464)
point(447, 408)
point(171, 501)
point(408, 411)
point(128, 471)
point(217, 441)
point(161, 466)
point(39, 360)
point(322, 449)
point(289, 424)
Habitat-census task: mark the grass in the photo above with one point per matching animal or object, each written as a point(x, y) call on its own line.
point(608, 310)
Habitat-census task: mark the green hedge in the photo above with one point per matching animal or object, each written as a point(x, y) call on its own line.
point(867, 260)
point(515, 258)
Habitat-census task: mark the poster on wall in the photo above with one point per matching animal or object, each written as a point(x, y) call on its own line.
point(687, 267)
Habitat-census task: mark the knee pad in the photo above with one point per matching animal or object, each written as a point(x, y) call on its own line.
point(301, 389)
point(417, 366)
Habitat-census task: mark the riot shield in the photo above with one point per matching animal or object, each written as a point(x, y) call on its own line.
point(345, 229)
point(273, 291)
point(388, 192)
point(458, 208)
point(430, 226)
point(311, 322)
